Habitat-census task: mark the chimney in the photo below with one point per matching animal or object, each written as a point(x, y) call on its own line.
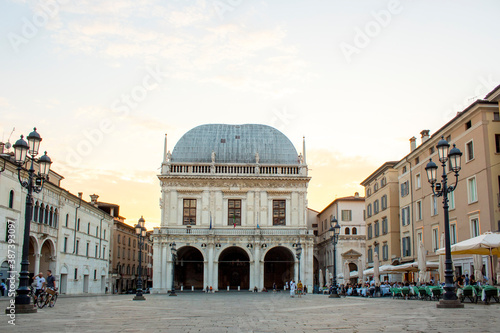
point(1, 147)
point(425, 135)
point(413, 143)
point(80, 194)
point(356, 194)
point(93, 199)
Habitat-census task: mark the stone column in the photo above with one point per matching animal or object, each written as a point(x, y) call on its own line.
point(209, 278)
point(257, 272)
point(37, 264)
point(165, 277)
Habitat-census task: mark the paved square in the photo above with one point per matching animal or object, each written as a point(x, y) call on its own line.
point(249, 312)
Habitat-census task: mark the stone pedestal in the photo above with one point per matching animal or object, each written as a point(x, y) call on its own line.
point(139, 298)
point(21, 308)
point(334, 296)
point(454, 304)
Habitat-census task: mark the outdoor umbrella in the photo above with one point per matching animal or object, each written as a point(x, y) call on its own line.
point(376, 270)
point(485, 244)
point(346, 273)
point(321, 278)
point(327, 277)
point(477, 261)
point(441, 261)
point(422, 267)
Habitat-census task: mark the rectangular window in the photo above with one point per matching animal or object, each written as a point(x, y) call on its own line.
point(76, 273)
point(104, 234)
point(77, 246)
point(95, 274)
point(472, 190)
point(376, 250)
point(405, 216)
point(96, 251)
point(383, 202)
point(385, 227)
point(347, 215)
point(434, 205)
point(451, 200)
point(375, 207)
point(497, 143)
point(369, 231)
point(118, 253)
point(385, 252)
point(435, 239)
point(370, 255)
point(496, 116)
point(104, 252)
point(234, 212)
point(65, 247)
point(468, 125)
point(469, 151)
point(419, 210)
point(88, 228)
point(406, 246)
point(405, 189)
point(420, 238)
point(377, 229)
point(474, 227)
point(87, 250)
point(279, 212)
point(189, 212)
point(418, 183)
point(453, 233)
point(78, 225)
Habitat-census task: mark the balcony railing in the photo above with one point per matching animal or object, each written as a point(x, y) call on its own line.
point(43, 229)
point(233, 169)
point(233, 231)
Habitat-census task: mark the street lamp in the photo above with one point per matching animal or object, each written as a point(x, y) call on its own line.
point(140, 231)
point(26, 152)
point(298, 251)
point(439, 189)
point(334, 231)
point(173, 250)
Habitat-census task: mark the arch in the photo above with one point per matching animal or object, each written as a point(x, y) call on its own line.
point(86, 271)
point(47, 253)
point(56, 218)
point(347, 231)
point(64, 269)
point(41, 213)
point(46, 218)
point(234, 268)
point(36, 209)
point(189, 267)
point(279, 263)
point(354, 231)
point(51, 216)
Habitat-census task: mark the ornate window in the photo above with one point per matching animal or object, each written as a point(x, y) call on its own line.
point(279, 212)
point(189, 214)
point(234, 212)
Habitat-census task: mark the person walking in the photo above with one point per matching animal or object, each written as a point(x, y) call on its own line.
point(292, 288)
point(300, 288)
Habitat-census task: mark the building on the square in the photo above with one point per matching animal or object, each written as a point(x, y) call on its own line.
point(351, 246)
point(234, 201)
point(67, 234)
point(124, 253)
point(474, 205)
point(382, 215)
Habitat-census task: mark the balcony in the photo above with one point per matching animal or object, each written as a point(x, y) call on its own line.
point(43, 229)
point(233, 231)
point(198, 169)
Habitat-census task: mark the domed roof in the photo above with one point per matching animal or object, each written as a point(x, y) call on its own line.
point(235, 144)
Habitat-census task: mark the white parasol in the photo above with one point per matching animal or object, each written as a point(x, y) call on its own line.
point(422, 265)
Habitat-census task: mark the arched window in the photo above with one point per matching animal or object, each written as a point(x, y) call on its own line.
point(42, 213)
point(384, 202)
point(347, 232)
point(46, 219)
point(375, 187)
point(67, 219)
point(56, 218)
point(11, 199)
point(97, 231)
point(35, 213)
point(51, 216)
point(133, 269)
point(354, 231)
point(369, 210)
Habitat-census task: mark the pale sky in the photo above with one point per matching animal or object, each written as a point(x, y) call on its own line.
point(103, 81)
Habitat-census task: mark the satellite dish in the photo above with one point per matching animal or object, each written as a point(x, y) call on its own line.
point(8, 145)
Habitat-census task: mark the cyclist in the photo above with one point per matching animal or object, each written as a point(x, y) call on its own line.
point(50, 285)
point(40, 281)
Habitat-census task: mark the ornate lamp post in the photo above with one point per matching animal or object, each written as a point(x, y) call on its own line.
point(439, 189)
point(298, 251)
point(140, 231)
point(26, 152)
point(174, 258)
point(334, 231)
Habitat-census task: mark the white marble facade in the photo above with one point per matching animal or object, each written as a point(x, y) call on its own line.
point(246, 192)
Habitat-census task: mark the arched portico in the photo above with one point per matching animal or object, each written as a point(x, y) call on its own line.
point(47, 256)
point(189, 268)
point(279, 265)
point(233, 268)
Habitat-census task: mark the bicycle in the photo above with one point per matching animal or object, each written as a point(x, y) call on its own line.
point(49, 298)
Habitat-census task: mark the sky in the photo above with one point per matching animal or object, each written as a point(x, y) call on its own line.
point(103, 81)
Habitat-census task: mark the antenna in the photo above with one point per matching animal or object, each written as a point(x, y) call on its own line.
point(8, 144)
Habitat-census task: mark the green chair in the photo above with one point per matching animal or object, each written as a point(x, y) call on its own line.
point(405, 291)
point(489, 293)
point(469, 292)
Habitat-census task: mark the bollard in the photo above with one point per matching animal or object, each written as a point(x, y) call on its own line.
point(182, 288)
point(227, 288)
point(238, 288)
point(192, 288)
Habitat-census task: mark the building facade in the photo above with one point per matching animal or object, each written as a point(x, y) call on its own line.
point(67, 234)
point(233, 202)
point(474, 205)
point(382, 215)
point(351, 246)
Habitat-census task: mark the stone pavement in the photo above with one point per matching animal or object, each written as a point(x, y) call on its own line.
point(249, 312)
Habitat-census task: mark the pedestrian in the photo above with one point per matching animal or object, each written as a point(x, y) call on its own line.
point(300, 288)
point(40, 281)
point(3, 287)
point(286, 285)
point(274, 287)
point(292, 288)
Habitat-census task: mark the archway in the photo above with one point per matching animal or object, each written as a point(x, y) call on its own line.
point(46, 254)
point(234, 268)
point(33, 256)
point(278, 267)
point(189, 268)
point(353, 268)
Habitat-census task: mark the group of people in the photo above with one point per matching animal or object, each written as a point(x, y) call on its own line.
point(296, 288)
point(41, 284)
point(464, 280)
